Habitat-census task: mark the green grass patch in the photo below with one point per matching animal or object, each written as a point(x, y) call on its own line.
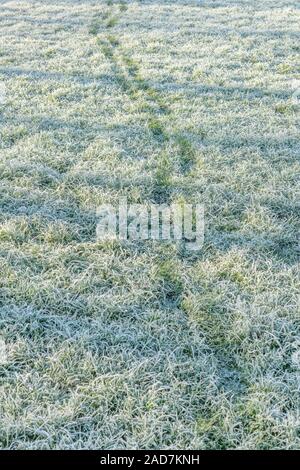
point(111, 22)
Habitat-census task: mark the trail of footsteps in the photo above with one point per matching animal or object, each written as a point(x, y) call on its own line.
point(127, 73)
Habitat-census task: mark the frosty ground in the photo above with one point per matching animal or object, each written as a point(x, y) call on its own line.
point(143, 345)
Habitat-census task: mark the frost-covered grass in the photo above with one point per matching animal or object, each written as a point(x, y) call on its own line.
point(142, 345)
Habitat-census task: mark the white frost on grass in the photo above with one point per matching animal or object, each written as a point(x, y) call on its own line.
point(142, 346)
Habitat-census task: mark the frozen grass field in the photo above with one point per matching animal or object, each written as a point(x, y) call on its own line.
point(142, 345)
